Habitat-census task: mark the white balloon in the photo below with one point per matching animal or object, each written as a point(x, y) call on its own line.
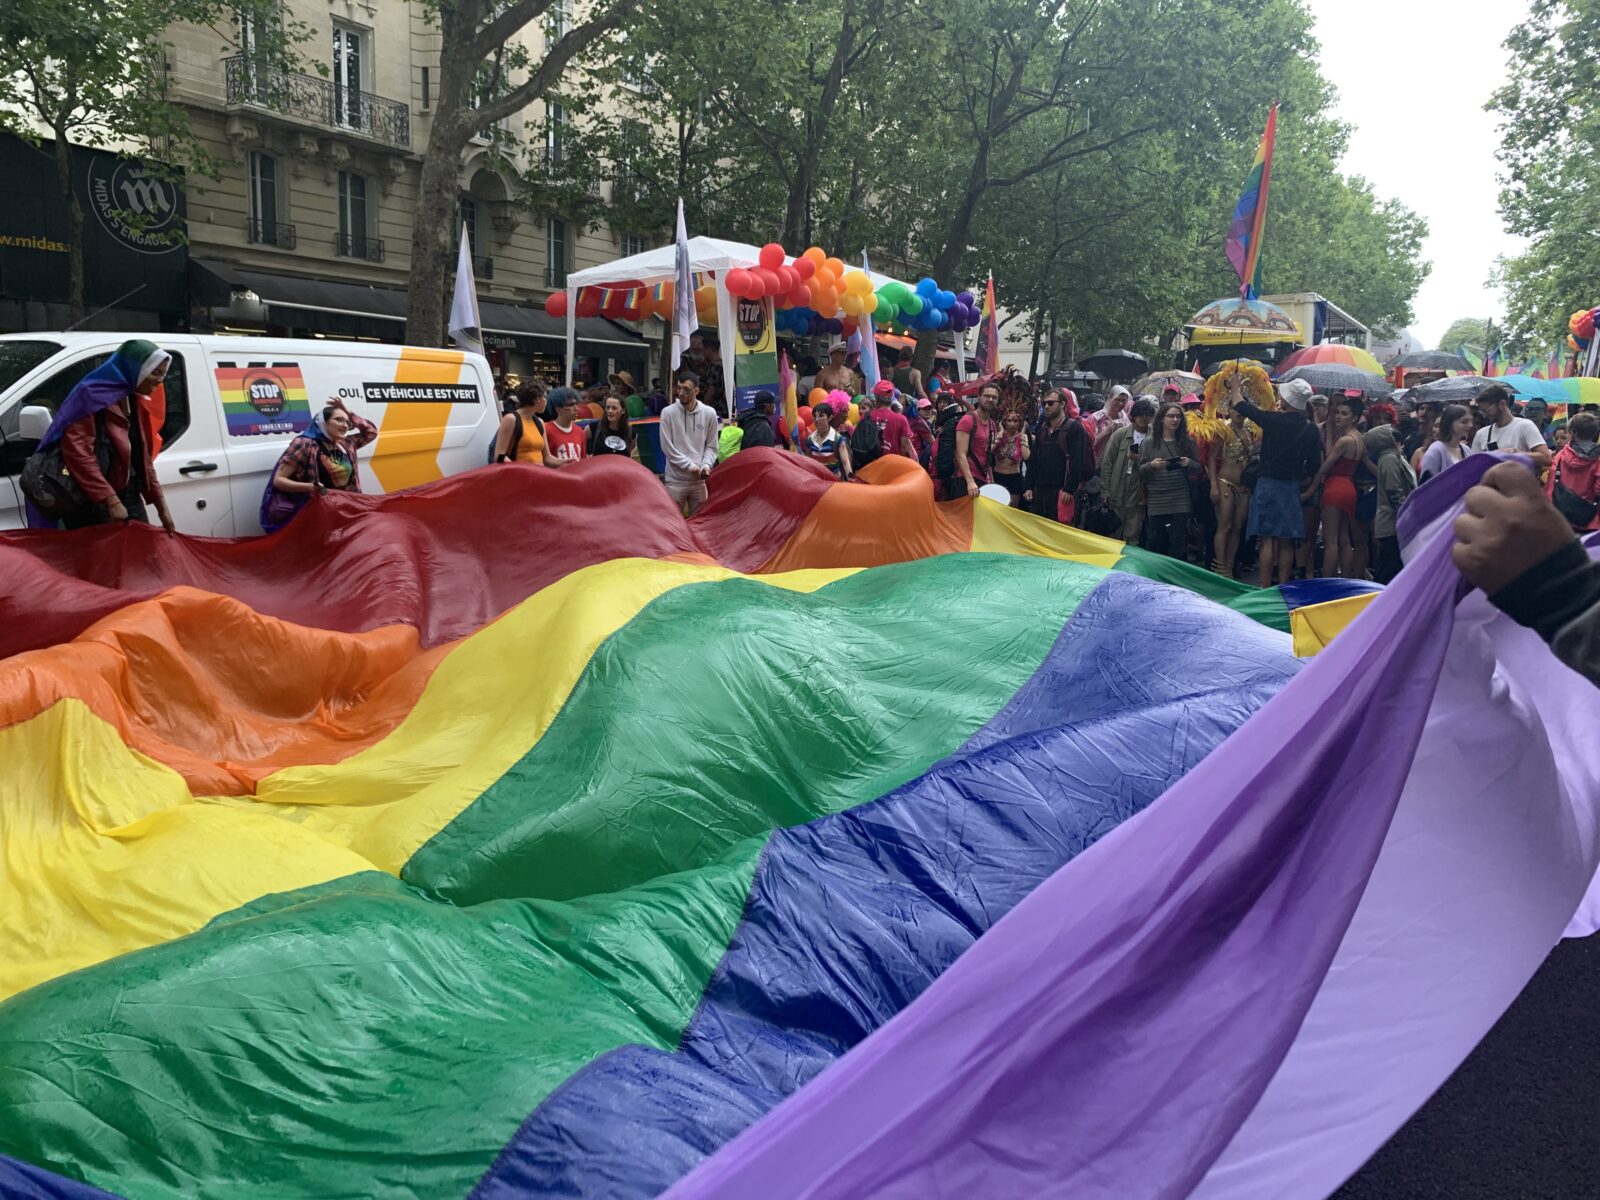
point(995, 492)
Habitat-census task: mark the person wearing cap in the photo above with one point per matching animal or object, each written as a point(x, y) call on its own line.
point(1291, 451)
point(689, 444)
point(836, 376)
point(893, 426)
point(759, 424)
point(624, 389)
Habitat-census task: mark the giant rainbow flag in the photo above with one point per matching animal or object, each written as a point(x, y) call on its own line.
point(512, 836)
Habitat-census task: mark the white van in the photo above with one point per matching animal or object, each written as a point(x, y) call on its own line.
point(234, 403)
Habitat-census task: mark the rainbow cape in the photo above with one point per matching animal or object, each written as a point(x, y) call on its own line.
point(512, 836)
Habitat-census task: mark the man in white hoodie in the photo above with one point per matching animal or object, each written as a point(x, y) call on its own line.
point(689, 444)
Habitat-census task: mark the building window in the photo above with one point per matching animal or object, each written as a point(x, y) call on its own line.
point(633, 243)
point(351, 68)
point(555, 133)
point(557, 248)
point(469, 220)
point(267, 226)
point(559, 23)
point(355, 219)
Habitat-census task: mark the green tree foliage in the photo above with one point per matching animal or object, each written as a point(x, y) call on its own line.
point(1550, 152)
point(1472, 332)
point(489, 72)
point(94, 73)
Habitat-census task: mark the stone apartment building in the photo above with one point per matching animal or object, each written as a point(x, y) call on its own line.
point(308, 231)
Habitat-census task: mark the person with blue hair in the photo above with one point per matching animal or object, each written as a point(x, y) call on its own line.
point(107, 434)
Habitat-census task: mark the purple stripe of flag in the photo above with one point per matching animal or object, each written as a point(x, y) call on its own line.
point(1115, 1033)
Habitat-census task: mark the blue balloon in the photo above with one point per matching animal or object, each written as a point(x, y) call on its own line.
point(943, 300)
point(927, 288)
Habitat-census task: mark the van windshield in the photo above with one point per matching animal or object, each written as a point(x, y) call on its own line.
point(18, 357)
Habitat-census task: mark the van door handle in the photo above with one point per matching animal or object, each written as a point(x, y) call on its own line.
point(197, 468)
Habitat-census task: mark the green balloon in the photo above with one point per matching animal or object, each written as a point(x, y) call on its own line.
point(911, 305)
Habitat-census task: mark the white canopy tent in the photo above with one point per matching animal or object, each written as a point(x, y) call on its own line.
point(660, 266)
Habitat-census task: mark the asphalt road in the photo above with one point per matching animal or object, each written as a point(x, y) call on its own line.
point(1520, 1119)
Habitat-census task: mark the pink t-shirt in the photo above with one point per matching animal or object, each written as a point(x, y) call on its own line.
point(978, 446)
point(894, 427)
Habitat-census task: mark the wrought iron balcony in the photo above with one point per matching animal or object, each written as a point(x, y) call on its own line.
point(320, 101)
point(348, 246)
point(272, 233)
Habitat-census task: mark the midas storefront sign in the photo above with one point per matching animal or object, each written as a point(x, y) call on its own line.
point(134, 229)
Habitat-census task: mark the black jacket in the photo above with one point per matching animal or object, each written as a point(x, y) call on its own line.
point(1559, 599)
point(1290, 449)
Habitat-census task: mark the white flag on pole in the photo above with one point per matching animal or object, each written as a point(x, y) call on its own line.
point(466, 330)
point(684, 320)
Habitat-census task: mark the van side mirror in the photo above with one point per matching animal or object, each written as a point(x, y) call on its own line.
point(33, 423)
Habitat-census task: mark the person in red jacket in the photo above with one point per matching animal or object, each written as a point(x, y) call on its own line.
point(108, 434)
point(1576, 468)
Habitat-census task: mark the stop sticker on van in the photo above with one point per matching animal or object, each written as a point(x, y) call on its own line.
point(261, 399)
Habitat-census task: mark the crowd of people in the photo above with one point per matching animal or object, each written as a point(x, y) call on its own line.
point(1311, 487)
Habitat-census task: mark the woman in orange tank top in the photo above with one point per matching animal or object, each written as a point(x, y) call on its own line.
point(531, 445)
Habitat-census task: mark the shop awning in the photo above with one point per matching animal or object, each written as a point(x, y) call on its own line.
point(216, 282)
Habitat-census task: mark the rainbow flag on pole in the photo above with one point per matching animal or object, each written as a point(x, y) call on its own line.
point(1250, 214)
point(988, 353)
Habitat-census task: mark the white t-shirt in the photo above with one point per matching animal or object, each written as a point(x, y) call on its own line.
point(1521, 434)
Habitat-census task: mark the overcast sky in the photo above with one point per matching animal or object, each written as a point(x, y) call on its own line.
point(1413, 76)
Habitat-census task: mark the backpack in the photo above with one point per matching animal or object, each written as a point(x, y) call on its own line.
point(758, 430)
point(48, 484)
point(1578, 512)
point(944, 462)
point(516, 437)
point(866, 443)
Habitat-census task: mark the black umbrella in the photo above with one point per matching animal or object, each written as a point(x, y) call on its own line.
point(1337, 377)
point(1431, 360)
point(1115, 364)
point(1456, 390)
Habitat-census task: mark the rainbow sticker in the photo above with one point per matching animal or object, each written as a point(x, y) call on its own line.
point(263, 398)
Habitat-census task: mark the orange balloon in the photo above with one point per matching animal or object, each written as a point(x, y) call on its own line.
point(827, 301)
point(817, 396)
point(816, 255)
point(836, 266)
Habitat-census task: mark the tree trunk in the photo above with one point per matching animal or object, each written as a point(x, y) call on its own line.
point(438, 190)
point(430, 240)
point(796, 226)
point(77, 308)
